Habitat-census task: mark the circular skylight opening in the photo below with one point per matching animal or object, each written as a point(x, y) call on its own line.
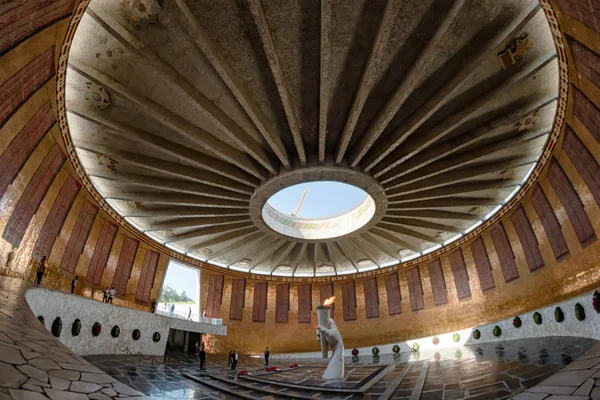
point(318, 210)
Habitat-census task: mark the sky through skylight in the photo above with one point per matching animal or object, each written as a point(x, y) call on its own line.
point(324, 199)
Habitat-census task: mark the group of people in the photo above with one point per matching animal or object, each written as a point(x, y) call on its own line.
point(108, 295)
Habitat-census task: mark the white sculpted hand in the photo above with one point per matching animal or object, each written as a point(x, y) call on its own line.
point(335, 369)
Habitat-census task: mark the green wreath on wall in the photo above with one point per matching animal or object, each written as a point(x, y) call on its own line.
point(537, 318)
point(136, 334)
point(76, 327)
point(416, 347)
point(57, 327)
point(375, 351)
point(579, 312)
point(456, 337)
point(559, 315)
point(396, 349)
point(476, 334)
point(115, 331)
point(156, 337)
point(497, 331)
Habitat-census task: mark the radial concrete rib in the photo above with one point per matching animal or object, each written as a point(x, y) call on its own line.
point(446, 203)
point(209, 231)
point(406, 87)
point(394, 227)
point(461, 159)
point(445, 149)
point(177, 199)
point(333, 258)
point(470, 66)
point(315, 257)
point(346, 251)
point(265, 253)
point(381, 246)
point(298, 257)
point(242, 241)
point(360, 245)
point(283, 252)
point(457, 189)
point(205, 163)
point(367, 78)
point(170, 185)
point(173, 121)
point(433, 214)
point(324, 84)
point(196, 223)
point(394, 239)
point(453, 121)
point(249, 250)
point(235, 84)
point(464, 174)
point(422, 224)
point(208, 108)
point(268, 43)
point(223, 238)
point(185, 212)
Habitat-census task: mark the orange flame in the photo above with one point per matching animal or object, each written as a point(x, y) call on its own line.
point(329, 301)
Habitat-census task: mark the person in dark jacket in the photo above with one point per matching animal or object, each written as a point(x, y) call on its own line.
point(234, 360)
point(41, 270)
point(267, 353)
point(74, 284)
point(202, 359)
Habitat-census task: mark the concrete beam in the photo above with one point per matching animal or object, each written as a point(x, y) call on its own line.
point(460, 142)
point(280, 255)
point(367, 78)
point(240, 242)
point(397, 228)
point(170, 185)
point(177, 199)
point(446, 203)
point(324, 84)
point(173, 121)
point(460, 175)
point(297, 256)
point(224, 238)
point(265, 253)
point(209, 231)
point(461, 188)
point(437, 214)
point(209, 169)
point(260, 20)
point(470, 66)
point(411, 147)
point(196, 223)
point(382, 233)
point(406, 87)
point(235, 84)
point(365, 249)
point(343, 245)
point(421, 224)
point(186, 212)
point(383, 247)
point(225, 124)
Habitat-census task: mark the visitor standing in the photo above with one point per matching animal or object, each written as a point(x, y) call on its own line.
point(234, 360)
point(202, 359)
point(204, 314)
point(74, 284)
point(41, 270)
point(105, 295)
point(172, 310)
point(111, 294)
point(153, 306)
point(267, 353)
point(190, 314)
point(197, 349)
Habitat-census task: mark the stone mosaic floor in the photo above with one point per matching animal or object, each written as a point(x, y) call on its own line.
point(35, 366)
point(486, 371)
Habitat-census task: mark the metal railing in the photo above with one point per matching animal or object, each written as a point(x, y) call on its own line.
point(190, 317)
point(140, 356)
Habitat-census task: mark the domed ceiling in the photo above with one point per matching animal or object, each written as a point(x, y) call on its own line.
point(187, 115)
